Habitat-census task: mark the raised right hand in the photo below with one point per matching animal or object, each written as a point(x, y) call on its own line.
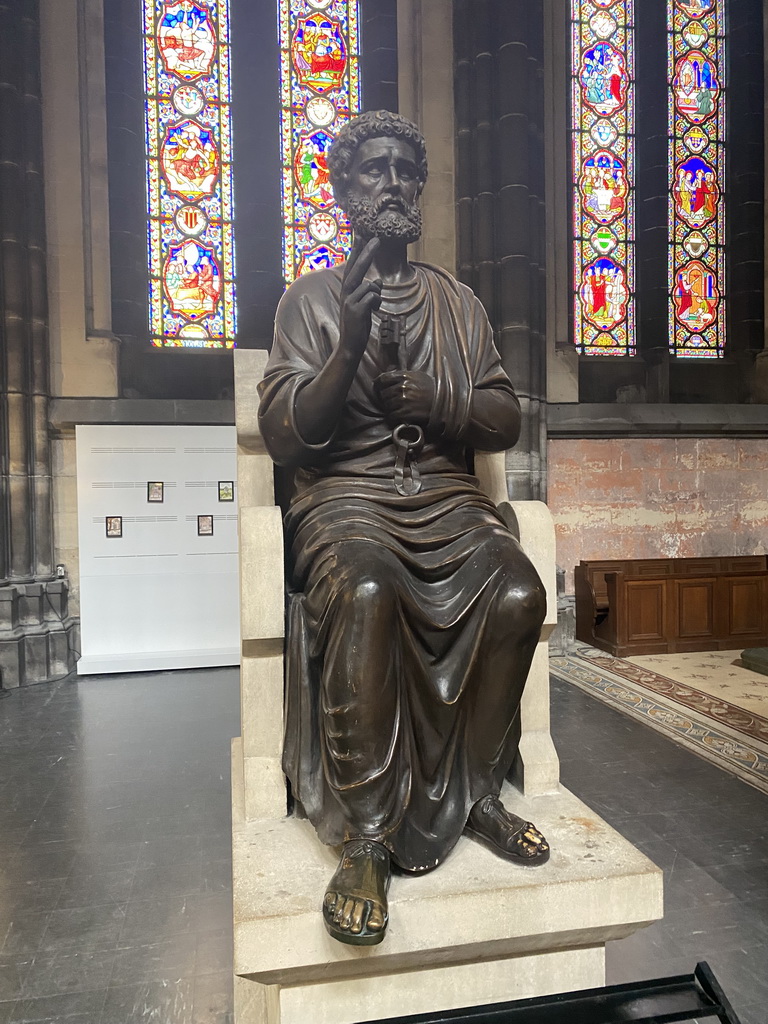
point(359, 297)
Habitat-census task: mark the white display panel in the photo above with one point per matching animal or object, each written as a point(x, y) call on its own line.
point(160, 596)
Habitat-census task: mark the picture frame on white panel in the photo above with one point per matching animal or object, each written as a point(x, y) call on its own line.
point(205, 526)
point(114, 526)
point(226, 490)
point(155, 490)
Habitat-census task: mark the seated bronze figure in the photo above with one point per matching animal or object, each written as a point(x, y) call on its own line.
point(413, 614)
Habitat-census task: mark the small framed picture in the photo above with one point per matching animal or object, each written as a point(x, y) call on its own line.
point(205, 526)
point(114, 526)
point(155, 490)
point(226, 490)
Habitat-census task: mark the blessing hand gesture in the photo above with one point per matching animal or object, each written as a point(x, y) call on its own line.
point(359, 297)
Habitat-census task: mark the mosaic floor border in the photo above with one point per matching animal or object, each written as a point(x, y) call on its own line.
point(726, 735)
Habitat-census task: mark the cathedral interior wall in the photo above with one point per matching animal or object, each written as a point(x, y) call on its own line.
point(657, 498)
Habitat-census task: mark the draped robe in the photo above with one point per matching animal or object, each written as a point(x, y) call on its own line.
point(412, 619)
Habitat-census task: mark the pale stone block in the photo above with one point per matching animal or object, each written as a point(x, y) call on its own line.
point(256, 1004)
point(537, 766)
point(490, 471)
point(265, 797)
point(249, 370)
point(255, 478)
point(262, 584)
point(261, 704)
point(444, 988)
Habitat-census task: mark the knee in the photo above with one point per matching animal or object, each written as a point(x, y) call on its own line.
point(372, 592)
point(522, 604)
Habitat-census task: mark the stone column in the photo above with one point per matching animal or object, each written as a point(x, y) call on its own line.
point(425, 95)
point(33, 613)
point(499, 85)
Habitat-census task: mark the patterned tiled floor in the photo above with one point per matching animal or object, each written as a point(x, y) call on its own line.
point(718, 673)
point(703, 720)
point(115, 900)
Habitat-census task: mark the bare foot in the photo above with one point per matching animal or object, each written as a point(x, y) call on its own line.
point(355, 903)
point(505, 833)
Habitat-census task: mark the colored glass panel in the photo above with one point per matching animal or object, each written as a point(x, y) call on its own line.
point(603, 169)
point(189, 173)
point(696, 61)
point(320, 91)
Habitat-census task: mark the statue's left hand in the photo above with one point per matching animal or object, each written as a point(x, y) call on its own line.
point(407, 396)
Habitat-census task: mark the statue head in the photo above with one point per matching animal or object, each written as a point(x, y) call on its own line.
point(387, 215)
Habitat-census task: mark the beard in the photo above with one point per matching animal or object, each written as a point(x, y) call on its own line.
point(374, 218)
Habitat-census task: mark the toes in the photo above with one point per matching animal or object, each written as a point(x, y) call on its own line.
point(376, 918)
point(356, 925)
point(348, 912)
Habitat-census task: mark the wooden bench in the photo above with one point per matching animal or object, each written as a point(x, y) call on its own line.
point(672, 605)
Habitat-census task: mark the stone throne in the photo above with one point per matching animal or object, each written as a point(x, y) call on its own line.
point(478, 929)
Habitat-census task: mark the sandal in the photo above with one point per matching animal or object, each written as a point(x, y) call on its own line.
point(506, 834)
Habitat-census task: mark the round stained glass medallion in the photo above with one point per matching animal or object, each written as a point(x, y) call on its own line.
point(603, 25)
point(188, 100)
point(603, 241)
point(323, 227)
point(320, 111)
point(604, 133)
point(191, 220)
point(696, 140)
point(695, 244)
point(695, 34)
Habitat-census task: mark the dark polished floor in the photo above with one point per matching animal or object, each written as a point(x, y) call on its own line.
point(114, 849)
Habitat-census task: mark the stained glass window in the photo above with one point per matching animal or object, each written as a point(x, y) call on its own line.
point(189, 173)
point(603, 170)
point(320, 91)
point(697, 172)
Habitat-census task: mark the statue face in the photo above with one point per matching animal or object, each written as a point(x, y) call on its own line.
point(383, 189)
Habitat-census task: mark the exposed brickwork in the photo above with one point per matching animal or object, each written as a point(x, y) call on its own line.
point(648, 498)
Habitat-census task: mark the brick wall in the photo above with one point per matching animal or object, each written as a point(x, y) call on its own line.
point(644, 498)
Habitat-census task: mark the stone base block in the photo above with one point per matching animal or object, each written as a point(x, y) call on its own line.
point(477, 930)
point(756, 659)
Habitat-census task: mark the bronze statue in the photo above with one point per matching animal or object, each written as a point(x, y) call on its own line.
point(413, 614)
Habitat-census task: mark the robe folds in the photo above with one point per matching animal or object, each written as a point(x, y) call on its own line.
point(412, 619)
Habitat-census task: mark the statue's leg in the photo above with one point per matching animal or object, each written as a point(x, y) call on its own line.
point(513, 627)
point(361, 718)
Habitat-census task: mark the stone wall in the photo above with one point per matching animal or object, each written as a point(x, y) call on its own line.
point(649, 498)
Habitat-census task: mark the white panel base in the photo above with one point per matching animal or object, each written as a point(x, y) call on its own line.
point(91, 664)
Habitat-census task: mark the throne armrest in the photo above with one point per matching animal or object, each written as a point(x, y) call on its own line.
point(262, 601)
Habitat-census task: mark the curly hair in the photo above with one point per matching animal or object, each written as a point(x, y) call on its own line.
point(373, 124)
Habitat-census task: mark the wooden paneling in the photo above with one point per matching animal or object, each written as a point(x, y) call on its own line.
point(695, 606)
point(646, 611)
point(746, 603)
point(653, 606)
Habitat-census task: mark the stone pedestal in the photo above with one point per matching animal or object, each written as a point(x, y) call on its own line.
point(756, 659)
point(477, 930)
